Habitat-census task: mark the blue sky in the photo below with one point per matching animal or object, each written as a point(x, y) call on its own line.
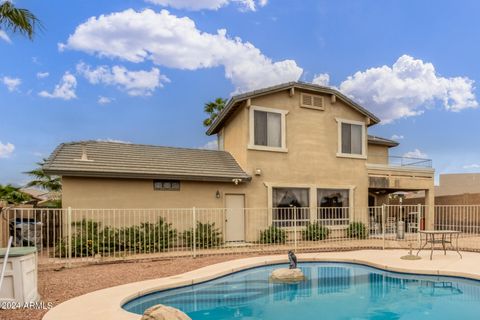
point(140, 74)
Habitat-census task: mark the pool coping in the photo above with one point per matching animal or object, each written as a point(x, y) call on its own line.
point(107, 303)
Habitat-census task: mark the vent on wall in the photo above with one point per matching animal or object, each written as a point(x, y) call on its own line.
point(311, 101)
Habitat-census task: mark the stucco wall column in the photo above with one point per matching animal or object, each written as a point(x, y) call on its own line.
point(429, 209)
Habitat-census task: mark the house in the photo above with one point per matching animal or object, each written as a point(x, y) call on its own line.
point(453, 189)
point(294, 145)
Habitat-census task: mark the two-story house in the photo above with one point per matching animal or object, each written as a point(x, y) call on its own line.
point(294, 145)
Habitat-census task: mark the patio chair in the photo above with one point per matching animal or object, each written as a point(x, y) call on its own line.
point(391, 225)
point(412, 225)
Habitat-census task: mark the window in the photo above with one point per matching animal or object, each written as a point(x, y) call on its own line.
point(351, 139)
point(267, 129)
point(333, 206)
point(166, 185)
point(290, 204)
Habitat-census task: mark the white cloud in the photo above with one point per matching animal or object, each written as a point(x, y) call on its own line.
point(6, 150)
point(135, 83)
point(408, 88)
point(42, 75)
point(210, 145)
point(472, 166)
point(416, 154)
point(397, 137)
point(194, 5)
point(322, 79)
point(104, 100)
point(64, 90)
point(4, 36)
point(11, 83)
point(175, 42)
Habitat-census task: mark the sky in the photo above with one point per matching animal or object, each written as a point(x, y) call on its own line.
point(140, 71)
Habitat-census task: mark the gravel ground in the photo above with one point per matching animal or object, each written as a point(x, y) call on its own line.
point(56, 286)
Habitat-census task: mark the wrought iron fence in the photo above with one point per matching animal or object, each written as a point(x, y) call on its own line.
point(73, 235)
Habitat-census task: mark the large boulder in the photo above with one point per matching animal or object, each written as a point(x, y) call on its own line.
point(161, 312)
point(287, 275)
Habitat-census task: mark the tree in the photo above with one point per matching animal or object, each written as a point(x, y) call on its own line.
point(43, 180)
point(18, 20)
point(13, 195)
point(213, 109)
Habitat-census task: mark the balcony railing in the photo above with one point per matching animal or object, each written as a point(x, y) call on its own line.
point(396, 161)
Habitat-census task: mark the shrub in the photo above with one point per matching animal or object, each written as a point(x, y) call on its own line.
point(146, 237)
point(89, 239)
point(272, 235)
point(357, 230)
point(206, 236)
point(315, 232)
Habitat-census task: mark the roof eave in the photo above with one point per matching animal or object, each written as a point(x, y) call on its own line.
point(127, 175)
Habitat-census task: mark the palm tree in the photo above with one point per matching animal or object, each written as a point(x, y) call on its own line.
point(43, 180)
point(13, 195)
point(18, 19)
point(213, 109)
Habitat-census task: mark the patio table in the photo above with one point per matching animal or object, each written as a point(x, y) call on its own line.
point(430, 237)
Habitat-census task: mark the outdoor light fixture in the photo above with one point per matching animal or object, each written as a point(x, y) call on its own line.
point(258, 172)
point(217, 194)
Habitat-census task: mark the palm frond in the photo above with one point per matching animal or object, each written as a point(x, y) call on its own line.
point(18, 20)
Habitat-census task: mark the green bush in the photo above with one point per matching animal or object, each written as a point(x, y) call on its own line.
point(146, 237)
point(273, 235)
point(357, 230)
point(89, 239)
point(315, 232)
point(206, 236)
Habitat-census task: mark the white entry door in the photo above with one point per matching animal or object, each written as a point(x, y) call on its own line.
point(235, 217)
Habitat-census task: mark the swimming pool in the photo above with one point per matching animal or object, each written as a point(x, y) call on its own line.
point(331, 291)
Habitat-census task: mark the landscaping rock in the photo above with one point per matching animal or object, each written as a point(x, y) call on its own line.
point(287, 275)
point(161, 312)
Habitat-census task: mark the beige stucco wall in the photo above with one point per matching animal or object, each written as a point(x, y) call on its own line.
point(458, 183)
point(377, 154)
point(136, 193)
point(311, 160)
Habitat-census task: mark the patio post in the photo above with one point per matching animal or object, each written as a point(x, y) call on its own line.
point(194, 235)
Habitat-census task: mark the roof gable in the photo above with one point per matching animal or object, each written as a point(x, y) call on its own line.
point(235, 102)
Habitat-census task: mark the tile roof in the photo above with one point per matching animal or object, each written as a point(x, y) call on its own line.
point(124, 160)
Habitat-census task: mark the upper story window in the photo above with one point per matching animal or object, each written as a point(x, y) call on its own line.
point(267, 129)
point(351, 139)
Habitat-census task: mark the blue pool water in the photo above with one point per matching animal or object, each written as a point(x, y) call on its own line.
point(331, 291)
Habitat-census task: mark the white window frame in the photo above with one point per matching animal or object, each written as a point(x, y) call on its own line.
point(364, 139)
point(252, 145)
point(350, 204)
point(313, 199)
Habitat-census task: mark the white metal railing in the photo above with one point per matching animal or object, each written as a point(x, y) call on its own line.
point(81, 235)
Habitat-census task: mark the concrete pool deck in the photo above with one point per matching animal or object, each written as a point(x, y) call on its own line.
point(106, 304)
